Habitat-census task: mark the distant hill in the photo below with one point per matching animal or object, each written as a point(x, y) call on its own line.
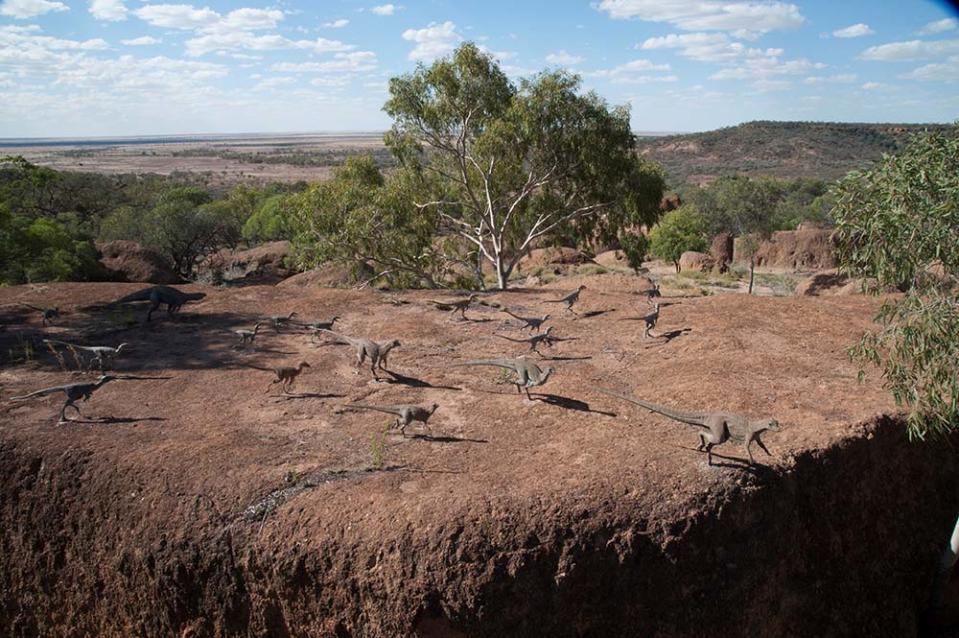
point(823, 150)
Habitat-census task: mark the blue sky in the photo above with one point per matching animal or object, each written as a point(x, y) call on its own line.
point(130, 67)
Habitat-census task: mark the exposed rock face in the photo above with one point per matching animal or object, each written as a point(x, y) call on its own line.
point(796, 250)
point(263, 264)
point(329, 275)
point(692, 260)
point(721, 251)
point(128, 261)
point(829, 282)
point(670, 202)
point(616, 258)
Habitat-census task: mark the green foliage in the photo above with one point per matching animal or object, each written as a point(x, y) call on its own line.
point(359, 217)
point(679, 231)
point(270, 222)
point(635, 247)
point(44, 249)
point(897, 225)
point(508, 167)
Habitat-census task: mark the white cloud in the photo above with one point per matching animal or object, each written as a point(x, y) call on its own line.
point(433, 41)
point(910, 50)
point(247, 20)
point(873, 86)
point(760, 70)
point(707, 47)
point(939, 26)
point(385, 9)
point(336, 24)
point(634, 72)
point(857, 30)
point(947, 71)
point(842, 78)
point(30, 8)
point(142, 41)
point(272, 83)
point(247, 40)
point(741, 18)
point(355, 61)
point(176, 16)
point(563, 58)
point(110, 10)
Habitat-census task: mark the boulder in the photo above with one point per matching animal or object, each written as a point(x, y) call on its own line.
point(263, 264)
point(612, 258)
point(328, 275)
point(828, 282)
point(128, 261)
point(796, 250)
point(721, 251)
point(692, 260)
point(669, 203)
point(549, 257)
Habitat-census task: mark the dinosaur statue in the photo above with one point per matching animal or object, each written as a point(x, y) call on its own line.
point(248, 336)
point(47, 315)
point(535, 340)
point(719, 426)
point(279, 321)
point(405, 414)
point(528, 374)
point(285, 375)
point(652, 292)
point(102, 355)
point(157, 295)
point(532, 323)
point(457, 305)
point(569, 299)
point(377, 352)
point(73, 391)
point(650, 320)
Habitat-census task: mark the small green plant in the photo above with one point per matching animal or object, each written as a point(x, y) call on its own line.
point(293, 477)
point(378, 448)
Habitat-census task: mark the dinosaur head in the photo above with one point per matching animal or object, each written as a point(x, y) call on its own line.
point(394, 343)
point(545, 317)
point(433, 407)
point(105, 378)
point(582, 287)
point(549, 329)
point(548, 370)
point(121, 347)
point(291, 315)
point(195, 296)
point(303, 364)
point(772, 425)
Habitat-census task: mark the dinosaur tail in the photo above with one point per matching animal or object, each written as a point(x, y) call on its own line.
point(688, 418)
point(140, 295)
point(250, 365)
point(367, 406)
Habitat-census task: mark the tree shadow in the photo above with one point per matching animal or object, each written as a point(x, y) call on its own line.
point(413, 382)
point(309, 395)
point(568, 404)
point(111, 420)
point(445, 438)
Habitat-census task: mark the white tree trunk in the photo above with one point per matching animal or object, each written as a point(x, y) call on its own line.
point(951, 552)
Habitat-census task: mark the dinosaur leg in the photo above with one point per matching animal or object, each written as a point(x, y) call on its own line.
point(526, 387)
point(749, 452)
point(153, 306)
point(762, 446)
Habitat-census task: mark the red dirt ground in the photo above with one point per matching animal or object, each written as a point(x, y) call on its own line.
point(141, 524)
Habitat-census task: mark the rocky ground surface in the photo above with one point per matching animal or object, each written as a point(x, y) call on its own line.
point(199, 500)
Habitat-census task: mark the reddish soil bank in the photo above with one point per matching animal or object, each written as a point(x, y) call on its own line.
point(193, 503)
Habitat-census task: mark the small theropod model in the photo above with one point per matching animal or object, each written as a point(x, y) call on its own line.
point(569, 299)
point(102, 355)
point(285, 375)
point(248, 336)
point(650, 320)
point(534, 341)
point(719, 426)
point(156, 295)
point(74, 392)
point(528, 374)
point(405, 414)
point(365, 348)
point(456, 305)
point(652, 292)
point(279, 321)
point(528, 322)
point(47, 315)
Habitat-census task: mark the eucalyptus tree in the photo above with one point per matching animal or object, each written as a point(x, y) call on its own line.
point(507, 167)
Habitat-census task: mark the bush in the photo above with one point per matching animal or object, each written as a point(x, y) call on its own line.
point(679, 231)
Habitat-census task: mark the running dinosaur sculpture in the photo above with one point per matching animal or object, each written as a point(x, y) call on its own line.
point(73, 391)
point(248, 336)
point(279, 321)
point(102, 355)
point(533, 323)
point(47, 315)
point(651, 319)
point(569, 299)
point(365, 348)
point(535, 340)
point(285, 375)
point(405, 414)
point(456, 305)
point(528, 374)
point(156, 295)
point(719, 426)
